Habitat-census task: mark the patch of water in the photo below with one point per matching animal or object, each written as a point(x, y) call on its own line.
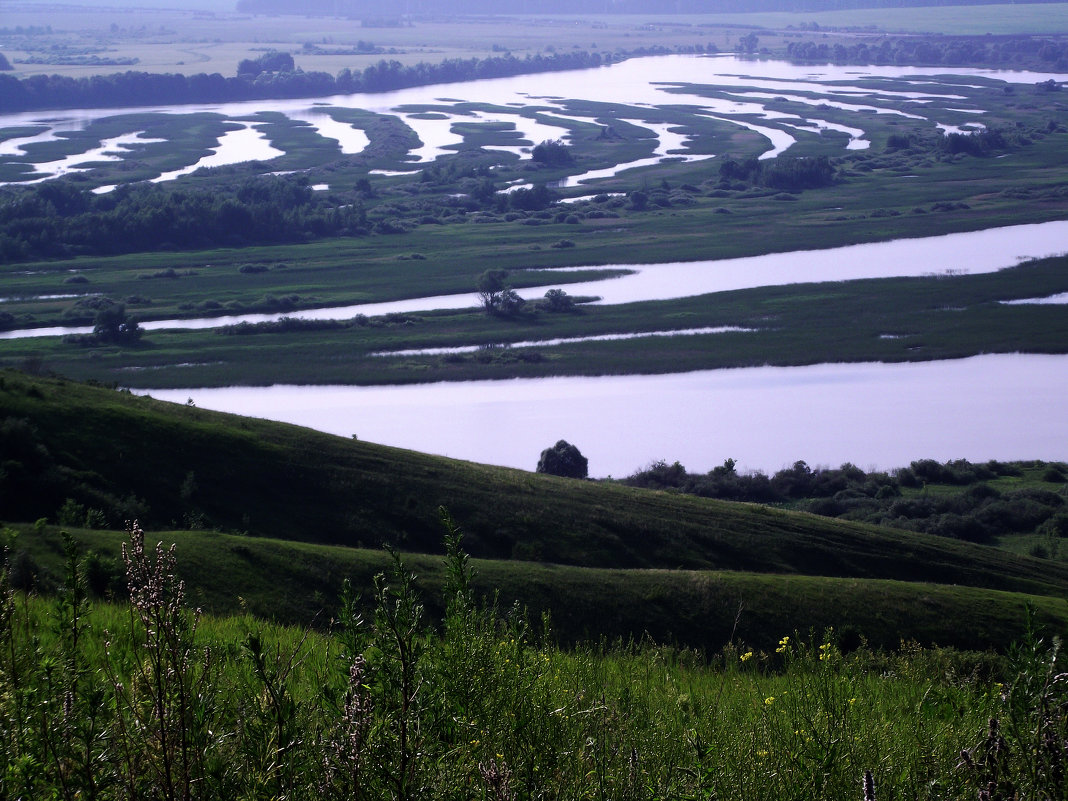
point(1051, 300)
point(114, 149)
point(247, 143)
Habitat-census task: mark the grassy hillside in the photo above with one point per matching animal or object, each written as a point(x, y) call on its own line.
point(295, 582)
point(116, 456)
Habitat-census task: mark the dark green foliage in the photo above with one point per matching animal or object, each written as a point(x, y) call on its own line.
point(563, 459)
point(990, 51)
point(979, 513)
point(496, 296)
point(536, 198)
point(981, 143)
point(144, 217)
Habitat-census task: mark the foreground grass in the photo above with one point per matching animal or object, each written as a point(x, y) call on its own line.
point(148, 699)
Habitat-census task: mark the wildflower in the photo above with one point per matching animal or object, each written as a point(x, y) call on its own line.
point(769, 700)
point(784, 643)
point(747, 656)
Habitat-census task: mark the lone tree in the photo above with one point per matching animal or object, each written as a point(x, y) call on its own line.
point(563, 459)
point(495, 295)
point(113, 325)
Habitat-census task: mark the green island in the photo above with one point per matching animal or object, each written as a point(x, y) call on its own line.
point(341, 619)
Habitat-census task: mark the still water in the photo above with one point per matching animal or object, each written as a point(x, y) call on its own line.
point(873, 415)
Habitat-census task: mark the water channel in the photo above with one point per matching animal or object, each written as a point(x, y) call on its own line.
point(972, 252)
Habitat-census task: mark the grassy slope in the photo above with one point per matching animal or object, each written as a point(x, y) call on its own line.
point(295, 582)
point(282, 481)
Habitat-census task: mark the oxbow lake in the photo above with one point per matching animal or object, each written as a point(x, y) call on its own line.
point(873, 415)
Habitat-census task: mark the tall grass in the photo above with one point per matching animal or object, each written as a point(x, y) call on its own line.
point(149, 699)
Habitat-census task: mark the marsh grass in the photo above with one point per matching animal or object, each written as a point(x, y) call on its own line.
point(149, 699)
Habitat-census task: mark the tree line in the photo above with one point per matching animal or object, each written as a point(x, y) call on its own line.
point(255, 81)
point(57, 219)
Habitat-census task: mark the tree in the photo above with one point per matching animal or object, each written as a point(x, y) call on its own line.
point(112, 325)
point(491, 285)
point(495, 295)
point(563, 459)
point(557, 300)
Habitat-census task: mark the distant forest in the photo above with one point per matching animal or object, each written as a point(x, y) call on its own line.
point(374, 10)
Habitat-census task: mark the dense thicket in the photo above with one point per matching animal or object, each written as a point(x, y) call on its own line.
point(256, 82)
point(786, 173)
point(978, 513)
point(57, 219)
